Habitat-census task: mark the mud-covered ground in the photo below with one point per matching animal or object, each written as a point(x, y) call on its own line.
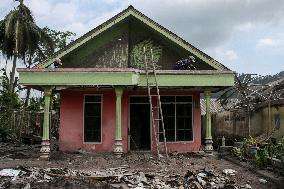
point(133, 170)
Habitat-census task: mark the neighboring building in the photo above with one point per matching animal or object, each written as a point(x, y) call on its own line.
point(104, 105)
point(269, 122)
point(224, 123)
point(266, 120)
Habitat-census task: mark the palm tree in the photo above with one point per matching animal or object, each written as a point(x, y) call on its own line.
point(21, 37)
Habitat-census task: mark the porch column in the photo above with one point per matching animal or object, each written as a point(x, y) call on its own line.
point(118, 150)
point(208, 136)
point(45, 144)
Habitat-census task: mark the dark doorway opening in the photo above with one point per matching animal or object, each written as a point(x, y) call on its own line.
point(140, 134)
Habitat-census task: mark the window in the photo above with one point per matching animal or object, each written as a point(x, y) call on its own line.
point(277, 120)
point(177, 114)
point(92, 119)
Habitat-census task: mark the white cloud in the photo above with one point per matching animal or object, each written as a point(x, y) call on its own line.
point(231, 55)
point(40, 8)
point(224, 55)
point(273, 41)
point(5, 3)
point(248, 26)
point(267, 42)
point(77, 27)
point(210, 24)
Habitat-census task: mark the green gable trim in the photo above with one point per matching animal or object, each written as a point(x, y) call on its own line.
point(131, 11)
point(78, 78)
point(122, 77)
point(183, 80)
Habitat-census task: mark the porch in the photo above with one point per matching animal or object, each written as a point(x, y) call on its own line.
point(116, 87)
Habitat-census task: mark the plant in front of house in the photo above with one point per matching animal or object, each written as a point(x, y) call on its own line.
point(237, 152)
point(262, 158)
point(250, 145)
point(279, 151)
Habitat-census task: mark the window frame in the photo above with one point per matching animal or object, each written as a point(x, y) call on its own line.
point(192, 118)
point(101, 102)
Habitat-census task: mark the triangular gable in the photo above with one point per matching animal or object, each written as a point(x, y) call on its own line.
point(131, 11)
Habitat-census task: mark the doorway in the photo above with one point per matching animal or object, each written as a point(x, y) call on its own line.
point(140, 132)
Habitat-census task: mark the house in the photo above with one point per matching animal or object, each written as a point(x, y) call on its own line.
point(104, 104)
point(265, 118)
point(228, 123)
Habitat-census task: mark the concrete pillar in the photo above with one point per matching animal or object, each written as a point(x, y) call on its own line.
point(45, 144)
point(208, 135)
point(118, 148)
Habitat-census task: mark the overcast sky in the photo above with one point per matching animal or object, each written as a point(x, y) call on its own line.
point(245, 35)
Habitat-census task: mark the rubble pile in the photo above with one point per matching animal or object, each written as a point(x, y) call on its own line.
point(119, 177)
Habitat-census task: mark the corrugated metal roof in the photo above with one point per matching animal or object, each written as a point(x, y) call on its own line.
point(215, 106)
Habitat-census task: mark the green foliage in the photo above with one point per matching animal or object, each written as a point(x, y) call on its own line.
point(237, 152)
point(137, 55)
point(250, 141)
point(35, 104)
point(8, 103)
point(21, 37)
point(261, 159)
point(279, 151)
point(275, 150)
point(20, 34)
point(59, 38)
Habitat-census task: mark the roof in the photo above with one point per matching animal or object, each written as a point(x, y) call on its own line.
point(215, 106)
point(131, 11)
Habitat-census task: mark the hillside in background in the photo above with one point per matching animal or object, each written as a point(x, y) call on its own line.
point(261, 80)
point(269, 78)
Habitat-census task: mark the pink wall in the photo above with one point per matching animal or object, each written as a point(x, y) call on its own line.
point(71, 122)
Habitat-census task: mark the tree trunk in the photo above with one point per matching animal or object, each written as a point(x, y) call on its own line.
point(12, 75)
point(27, 97)
point(28, 89)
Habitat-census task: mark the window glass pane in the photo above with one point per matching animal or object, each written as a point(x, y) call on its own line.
point(93, 98)
point(92, 121)
point(170, 136)
point(169, 122)
point(184, 135)
point(184, 109)
point(177, 113)
point(92, 109)
point(139, 99)
point(168, 110)
point(183, 122)
point(168, 99)
point(186, 99)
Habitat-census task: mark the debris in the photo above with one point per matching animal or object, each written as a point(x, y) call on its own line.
point(181, 171)
point(9, 172)
point(263, 181)
point(231, 172)
point(247, 186)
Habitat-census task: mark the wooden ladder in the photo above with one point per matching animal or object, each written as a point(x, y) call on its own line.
point(158, 107)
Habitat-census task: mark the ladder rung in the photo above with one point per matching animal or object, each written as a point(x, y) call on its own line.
point(157, 119)
point(156, 107)
point(154, 95)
